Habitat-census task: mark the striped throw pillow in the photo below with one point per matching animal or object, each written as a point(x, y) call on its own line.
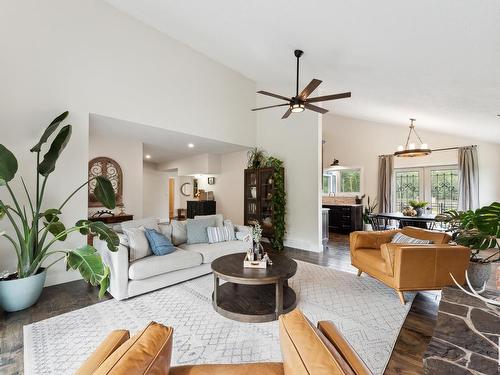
point(218, 234)
point(402, 238)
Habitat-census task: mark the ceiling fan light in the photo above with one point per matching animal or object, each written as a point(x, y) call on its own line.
point(424, 146)
point(400, 148)
point(297, 107)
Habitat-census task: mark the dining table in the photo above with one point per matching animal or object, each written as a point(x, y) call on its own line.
point(380, 221)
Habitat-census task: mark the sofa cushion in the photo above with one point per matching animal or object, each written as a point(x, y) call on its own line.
point(197, 229)
point(403, 238)
point(219, 218)
point(153, 265)
point(159, 244)
point(148, 222)
point(210, 252)
point(179, 232)
point(302, 350)
point(138, 244)
point(230, 227)
point(166, 230)
point(148, 352)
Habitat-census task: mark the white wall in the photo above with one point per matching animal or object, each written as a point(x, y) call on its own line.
point(193, 165)
point(155, 192)
point(358, 143)
point(296, 141)
point(128, 153)
point(87, 57)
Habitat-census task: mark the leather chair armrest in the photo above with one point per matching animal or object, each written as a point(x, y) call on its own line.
point(114, 340)
point(370, 240)
point(270, 368)
point(333, 335)
point(428, 265)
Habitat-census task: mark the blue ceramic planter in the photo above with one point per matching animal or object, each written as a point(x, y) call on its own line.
point(19, 294)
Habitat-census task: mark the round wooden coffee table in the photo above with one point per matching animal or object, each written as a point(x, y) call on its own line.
point(253, 294)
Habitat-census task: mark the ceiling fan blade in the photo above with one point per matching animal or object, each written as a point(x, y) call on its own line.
point(315, 108)
point(274, 95)
point(313, 85)
point(287, 113)
point(329, 97)
point(270, 106)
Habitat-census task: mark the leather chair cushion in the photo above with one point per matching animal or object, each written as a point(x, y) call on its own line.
point(303, 352)
point(234, 369)
point(148, 352)
point(371, 258)
point(424, 234)
point(114, 340)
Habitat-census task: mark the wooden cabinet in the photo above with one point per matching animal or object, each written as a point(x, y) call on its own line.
point(195, 208)
point(345, 218)
point(259, 188)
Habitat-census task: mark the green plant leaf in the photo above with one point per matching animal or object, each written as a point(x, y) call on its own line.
point(2, 212)
point(48, 131)
point(56, 228)
point(89, 263)
point(8, 165)
point(51, 215)
point(104, 192)
point(98, 228)
point(48, 164)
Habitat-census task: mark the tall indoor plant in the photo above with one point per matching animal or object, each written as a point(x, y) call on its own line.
point(479, 230)
point(37, 229)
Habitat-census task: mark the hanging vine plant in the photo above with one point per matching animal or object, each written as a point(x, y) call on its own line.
point(278, 201)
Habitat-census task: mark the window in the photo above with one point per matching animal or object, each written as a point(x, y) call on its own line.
point(343, 181)
point(436, 185)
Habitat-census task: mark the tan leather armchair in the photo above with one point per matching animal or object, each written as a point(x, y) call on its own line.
point(306, 350)
point(409, 267)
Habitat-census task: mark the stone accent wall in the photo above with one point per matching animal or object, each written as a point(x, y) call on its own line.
point(466, 337)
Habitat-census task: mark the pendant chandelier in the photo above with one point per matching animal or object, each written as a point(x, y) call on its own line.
point(410, 150)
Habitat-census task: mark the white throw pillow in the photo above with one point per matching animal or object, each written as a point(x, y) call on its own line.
point(218, 234)
point(166, 230)
point(229, 225)
point(179, 232)
point(138, 244)
point(219, 218)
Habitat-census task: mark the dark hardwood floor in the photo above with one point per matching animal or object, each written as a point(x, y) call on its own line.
point(406, 357)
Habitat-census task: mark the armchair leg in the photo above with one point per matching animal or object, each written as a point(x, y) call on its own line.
point(401, 297)
point(360, 272)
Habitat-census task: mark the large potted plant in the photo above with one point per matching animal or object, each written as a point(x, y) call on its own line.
point(36, 229)
point(479, 230)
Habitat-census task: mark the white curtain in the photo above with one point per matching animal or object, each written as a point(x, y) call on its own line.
point(468, 187)
point(385, 175)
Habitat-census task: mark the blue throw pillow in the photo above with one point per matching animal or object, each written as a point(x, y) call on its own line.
point(159, 244)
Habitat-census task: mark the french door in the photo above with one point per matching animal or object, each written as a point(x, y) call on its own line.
point(437, 185)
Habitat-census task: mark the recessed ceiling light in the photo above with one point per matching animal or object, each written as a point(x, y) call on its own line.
point(148, 156)
point(190, 145)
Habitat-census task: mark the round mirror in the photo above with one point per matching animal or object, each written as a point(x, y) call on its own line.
point(186, 189)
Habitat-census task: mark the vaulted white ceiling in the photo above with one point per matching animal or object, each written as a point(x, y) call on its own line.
point(437, 61)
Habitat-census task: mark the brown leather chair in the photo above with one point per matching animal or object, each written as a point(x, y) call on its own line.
point(409, 267)
point(306, 350)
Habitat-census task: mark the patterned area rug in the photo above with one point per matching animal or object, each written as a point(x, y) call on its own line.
point(367, 312)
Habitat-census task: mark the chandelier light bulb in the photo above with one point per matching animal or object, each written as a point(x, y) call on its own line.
point(424, 146)
point(411, 146)
point(400, 148)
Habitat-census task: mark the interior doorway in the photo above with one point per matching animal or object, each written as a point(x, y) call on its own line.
point(171, 197)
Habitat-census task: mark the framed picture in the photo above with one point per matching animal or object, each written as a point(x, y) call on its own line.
point(211, 180)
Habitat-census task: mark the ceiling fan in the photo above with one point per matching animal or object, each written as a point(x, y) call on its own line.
point(301, 101)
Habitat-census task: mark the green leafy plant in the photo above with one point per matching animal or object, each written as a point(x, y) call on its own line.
point(418, 204)
point(479, 230)
point(37, 230)
point(256, 158)
point(369, 209)
point(278, 201)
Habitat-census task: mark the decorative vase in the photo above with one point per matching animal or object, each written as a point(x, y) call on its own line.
point(368, 227)
point(478, 273)
point(420, 211)
point(253, 192)
point(19, 294)
point(257, 251)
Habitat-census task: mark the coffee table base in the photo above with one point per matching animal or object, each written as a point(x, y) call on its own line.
point(253, 303)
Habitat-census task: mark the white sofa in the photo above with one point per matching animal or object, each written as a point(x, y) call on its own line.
point(188, 261)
